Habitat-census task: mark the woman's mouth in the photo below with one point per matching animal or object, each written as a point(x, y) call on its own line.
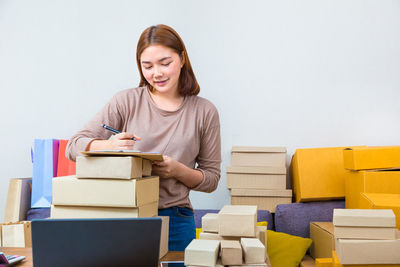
point(161, 83)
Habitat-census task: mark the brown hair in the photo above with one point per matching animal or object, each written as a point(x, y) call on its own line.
point(164, 35)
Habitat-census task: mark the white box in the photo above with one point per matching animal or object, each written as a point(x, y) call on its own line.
point(209, 222)
point(237, 220)
point(364, 217)
point(202, 252)
point(254, 250)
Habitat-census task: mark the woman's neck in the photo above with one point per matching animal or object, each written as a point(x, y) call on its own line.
point(168, 102)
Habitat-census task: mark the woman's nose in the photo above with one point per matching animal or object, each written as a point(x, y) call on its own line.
point(157, 72)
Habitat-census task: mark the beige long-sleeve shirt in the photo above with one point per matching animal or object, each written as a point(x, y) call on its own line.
point(190, 135)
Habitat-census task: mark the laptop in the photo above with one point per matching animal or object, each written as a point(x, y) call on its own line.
point(96, 242)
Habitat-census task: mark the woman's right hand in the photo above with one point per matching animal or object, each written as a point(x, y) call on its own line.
point(121, 141)
point(124, 141)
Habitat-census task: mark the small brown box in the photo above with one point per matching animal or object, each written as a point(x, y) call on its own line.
point(231, 252)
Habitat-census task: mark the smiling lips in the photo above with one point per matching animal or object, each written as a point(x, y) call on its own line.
point(161, 83)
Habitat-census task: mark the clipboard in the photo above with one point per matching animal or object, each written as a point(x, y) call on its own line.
point(123, 153)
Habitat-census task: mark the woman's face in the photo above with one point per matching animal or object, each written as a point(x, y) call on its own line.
point(161, 66)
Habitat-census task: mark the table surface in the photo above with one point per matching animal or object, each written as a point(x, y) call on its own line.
point(27, 252)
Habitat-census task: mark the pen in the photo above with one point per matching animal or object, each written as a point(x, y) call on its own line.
point(113, 130)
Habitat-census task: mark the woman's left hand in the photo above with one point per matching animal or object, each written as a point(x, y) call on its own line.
point(166, 169)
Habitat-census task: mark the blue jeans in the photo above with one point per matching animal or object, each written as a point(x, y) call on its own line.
point(182, 229)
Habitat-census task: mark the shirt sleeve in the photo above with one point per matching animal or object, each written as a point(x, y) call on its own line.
point(209, 158)
point(110, 115)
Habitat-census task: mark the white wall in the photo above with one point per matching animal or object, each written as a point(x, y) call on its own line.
point(281, 73)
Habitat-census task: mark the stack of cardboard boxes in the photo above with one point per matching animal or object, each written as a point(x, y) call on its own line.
point(373, 178)
point(106, 187)
point(258, 177)
point(230, 239)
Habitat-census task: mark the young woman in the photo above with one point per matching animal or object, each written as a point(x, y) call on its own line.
point(164, 114)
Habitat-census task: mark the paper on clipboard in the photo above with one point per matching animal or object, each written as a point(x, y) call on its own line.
point(121, 153)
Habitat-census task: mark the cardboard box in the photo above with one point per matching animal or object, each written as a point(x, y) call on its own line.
point(318, 174)
point(365, 232)
point(336, 263)
point(382, 201)
point(146, 167)
point(369, 182)
point(70, 191)
point(16, 234)
point(202, 252)
point(109, 167)
point(237, 220)
point(264, 199)
point(70, 212)
point(308, 262)
point(361, 251)
point(231, 252)
point(324, 262)
point(364, 218)
point(164, 236)
point(258, 156)
point(256, 177)
point(254, 251)
point(209, 222)
point(370, 158)
point(323, 241)
point(18, 199)
point(261, 234)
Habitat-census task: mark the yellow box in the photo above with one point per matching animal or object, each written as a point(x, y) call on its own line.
point(382, 201)
point(318, 174)
point(336, 263)
point(357, 182)
point(370, 158)
point(323, 262)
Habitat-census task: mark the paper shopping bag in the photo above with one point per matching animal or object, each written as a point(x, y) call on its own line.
point(65, 166)
point(45, 160)
point(18, 199)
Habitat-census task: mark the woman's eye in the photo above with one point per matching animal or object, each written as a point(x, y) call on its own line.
point(167, 64)
point(148, 67)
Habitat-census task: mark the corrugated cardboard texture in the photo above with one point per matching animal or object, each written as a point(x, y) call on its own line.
point(256, 181)
point(369, 158)
point(256, 169)
point(209, 222)
point(231, 252)
point(248, 156)
point(262, 203)
point(109, 167)
point(361, 251)
point(164, 235)
point(308, 262)
point(261, 192)
point(254, 251)
point(18, 199)
point(369, 182)
point(364, 218)
point(16, 234)
point(146, 167)
point(318, 174)
point(202, 252)
point(322, 236)
point(382, 201)
point(71, 212)
point(70, 191)
point(365, 232)
point(237, 220)
point(336, 263)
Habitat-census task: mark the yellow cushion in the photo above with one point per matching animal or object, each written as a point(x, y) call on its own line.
point(286, 250)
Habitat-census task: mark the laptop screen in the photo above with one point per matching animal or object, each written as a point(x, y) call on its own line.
point(96, 242)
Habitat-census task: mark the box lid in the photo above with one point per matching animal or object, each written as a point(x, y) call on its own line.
point(364, 217)
point(256, 169)
point(258, 149)
point(261, 192)
point(372, 157)
point(238, 209)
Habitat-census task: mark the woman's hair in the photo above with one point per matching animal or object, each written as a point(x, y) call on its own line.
point(164, 35)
